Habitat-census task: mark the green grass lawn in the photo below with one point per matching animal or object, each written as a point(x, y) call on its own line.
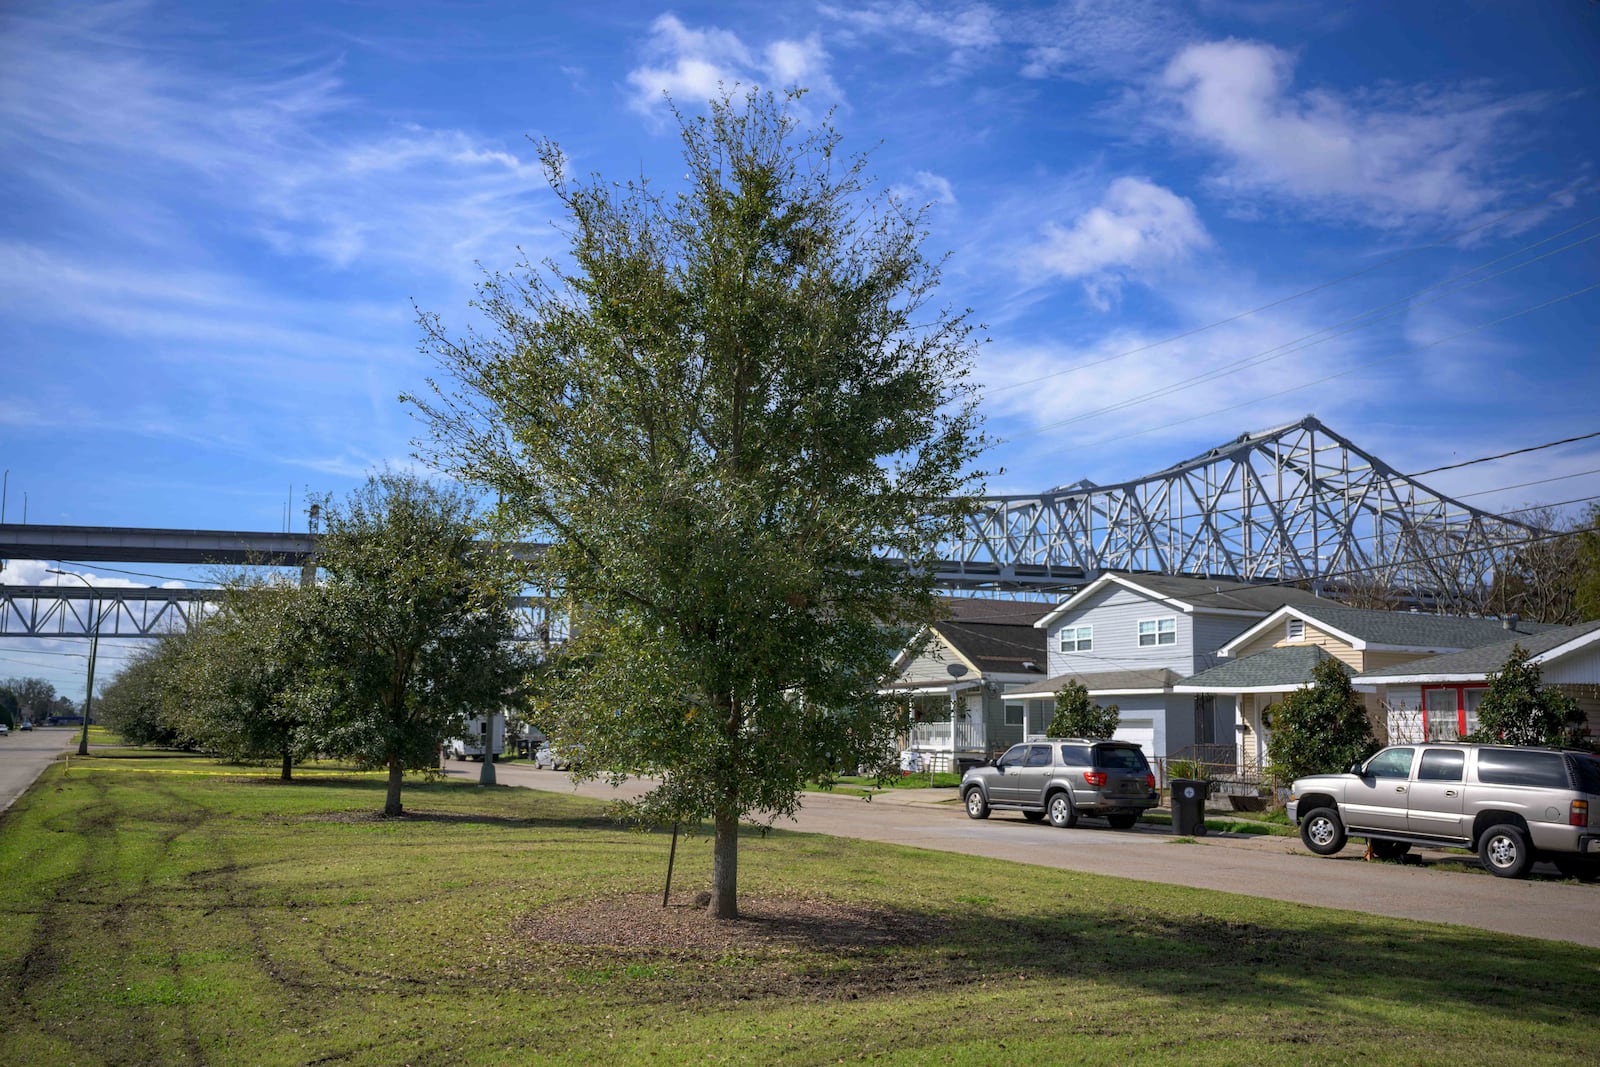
point(171, 910)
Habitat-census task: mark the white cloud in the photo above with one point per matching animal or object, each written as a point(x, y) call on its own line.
point(1112, 39)
point(968, 26)
point(1139, 226)
point(1384, 158)
point(694, 65)
point(95, 110)
point(926, 187)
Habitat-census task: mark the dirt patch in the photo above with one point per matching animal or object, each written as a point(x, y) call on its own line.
point(811, 948)
point(639, 921)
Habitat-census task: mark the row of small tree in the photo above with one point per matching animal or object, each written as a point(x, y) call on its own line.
point(35, 698)
point(408, 632)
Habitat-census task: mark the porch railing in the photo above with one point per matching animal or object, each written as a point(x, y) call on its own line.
point(935, 736)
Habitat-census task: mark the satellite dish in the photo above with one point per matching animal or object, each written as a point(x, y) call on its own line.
point(957, 669)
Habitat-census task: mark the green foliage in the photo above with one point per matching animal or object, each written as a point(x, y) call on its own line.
point(723, 416)
point(38, 698)
point(412, 630)
point(1320, 729)
point(1587, 596)
point(1518, 710)
point(141, 703)
point(8, 708)
point(1078, 716)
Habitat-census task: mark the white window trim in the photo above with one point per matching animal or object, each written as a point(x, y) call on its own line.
point(1166, 625)
point(1082, 638)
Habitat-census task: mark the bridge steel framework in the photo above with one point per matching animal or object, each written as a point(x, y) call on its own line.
point(1298, 503)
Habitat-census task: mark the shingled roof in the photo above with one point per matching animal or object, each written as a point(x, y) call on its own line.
point(1197, 594)
point(1408, 629)
point(1474, 664)
point(996, 636)
point(1275, 670)
point(1102, 683)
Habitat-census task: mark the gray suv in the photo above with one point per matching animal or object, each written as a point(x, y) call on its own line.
point(1062, 778)
point(1513, 806)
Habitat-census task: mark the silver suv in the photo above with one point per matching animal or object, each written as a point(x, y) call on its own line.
point(1513, 806)
point(1062, 778)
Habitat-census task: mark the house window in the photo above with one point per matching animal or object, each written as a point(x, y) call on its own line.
point(1077, 638)
point(1297, 630)
point(1154, 632)
point(1450, 712)
point(1013, 714)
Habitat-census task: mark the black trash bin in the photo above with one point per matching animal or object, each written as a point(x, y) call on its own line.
point(1189, 806)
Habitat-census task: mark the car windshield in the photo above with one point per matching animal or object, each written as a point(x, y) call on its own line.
point(1122, 759)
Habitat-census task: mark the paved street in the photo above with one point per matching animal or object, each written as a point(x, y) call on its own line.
point(1447, 887)
point(24, 754)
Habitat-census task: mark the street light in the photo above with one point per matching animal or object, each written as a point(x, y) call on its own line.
point(94, 646)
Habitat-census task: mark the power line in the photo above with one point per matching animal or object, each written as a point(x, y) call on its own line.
point(1503, 455)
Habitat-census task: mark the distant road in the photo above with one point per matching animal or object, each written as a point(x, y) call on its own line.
point(1447, 887)
point(26, 753)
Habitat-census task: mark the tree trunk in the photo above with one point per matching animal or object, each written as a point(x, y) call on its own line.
point(391, 803)
point(288, 763)
point(725, 869)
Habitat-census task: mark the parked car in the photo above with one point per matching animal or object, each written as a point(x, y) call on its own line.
point(1513, 806)
point(1063, 778)
point(4, 729)
point(548, 758)
point(27, 726)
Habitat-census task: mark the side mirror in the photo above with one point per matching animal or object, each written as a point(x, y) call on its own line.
point(1355, 769)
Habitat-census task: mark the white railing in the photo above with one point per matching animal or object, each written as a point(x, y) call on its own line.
point(935, 736)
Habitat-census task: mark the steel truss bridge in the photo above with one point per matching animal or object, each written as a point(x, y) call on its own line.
point(1298, 504)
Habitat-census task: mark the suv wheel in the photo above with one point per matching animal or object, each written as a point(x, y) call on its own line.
point(977, 807)
point(1322, 831)
point(1504, 850)
point(1063, 816)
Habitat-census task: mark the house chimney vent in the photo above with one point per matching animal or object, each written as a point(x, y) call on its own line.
point(1510, 621)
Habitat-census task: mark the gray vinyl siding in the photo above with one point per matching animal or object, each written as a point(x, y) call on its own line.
point(1115, 614)
point(1578, 668)
point(1211, 632)
point(930, 668)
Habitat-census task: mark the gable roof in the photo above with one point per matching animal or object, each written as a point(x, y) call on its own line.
point(995, 636)
point(1366, 628)
point(1273, 670)
point(1102, 683)
point(1189, 595)
point(1474, 664)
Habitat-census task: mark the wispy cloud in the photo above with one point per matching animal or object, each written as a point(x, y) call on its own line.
point(962, 28)
point(1138, 227)
point(93, 108)
point(1099, 39)
point(1389, 158)
point(694, 65)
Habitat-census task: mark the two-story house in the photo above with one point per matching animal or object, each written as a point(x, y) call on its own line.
point(1130, 638)
point(1276, 655)
point(957, 674)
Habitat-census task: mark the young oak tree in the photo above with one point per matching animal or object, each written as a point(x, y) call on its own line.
point(412, 624)
point(1518, 709)
point(244, 686)
point(1322, 728)
point(742, 427)
point(1079, 716)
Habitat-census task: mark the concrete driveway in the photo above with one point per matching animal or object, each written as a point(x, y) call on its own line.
point(26, 753)
point(1447, 887)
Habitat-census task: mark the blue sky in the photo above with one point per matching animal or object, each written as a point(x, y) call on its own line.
point(218, 219)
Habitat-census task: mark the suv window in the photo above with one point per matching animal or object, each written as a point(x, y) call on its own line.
point(1584, 768)
point(1076, 756)
point(1038, 756)
point(1014, 756)
point(1509, 766)
point(1391, 763)
point(1121, 759)
point(1441, 765)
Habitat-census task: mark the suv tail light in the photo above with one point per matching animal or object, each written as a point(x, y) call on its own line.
point(1580, 813)
point(1095, 778)
point(1150, 780)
